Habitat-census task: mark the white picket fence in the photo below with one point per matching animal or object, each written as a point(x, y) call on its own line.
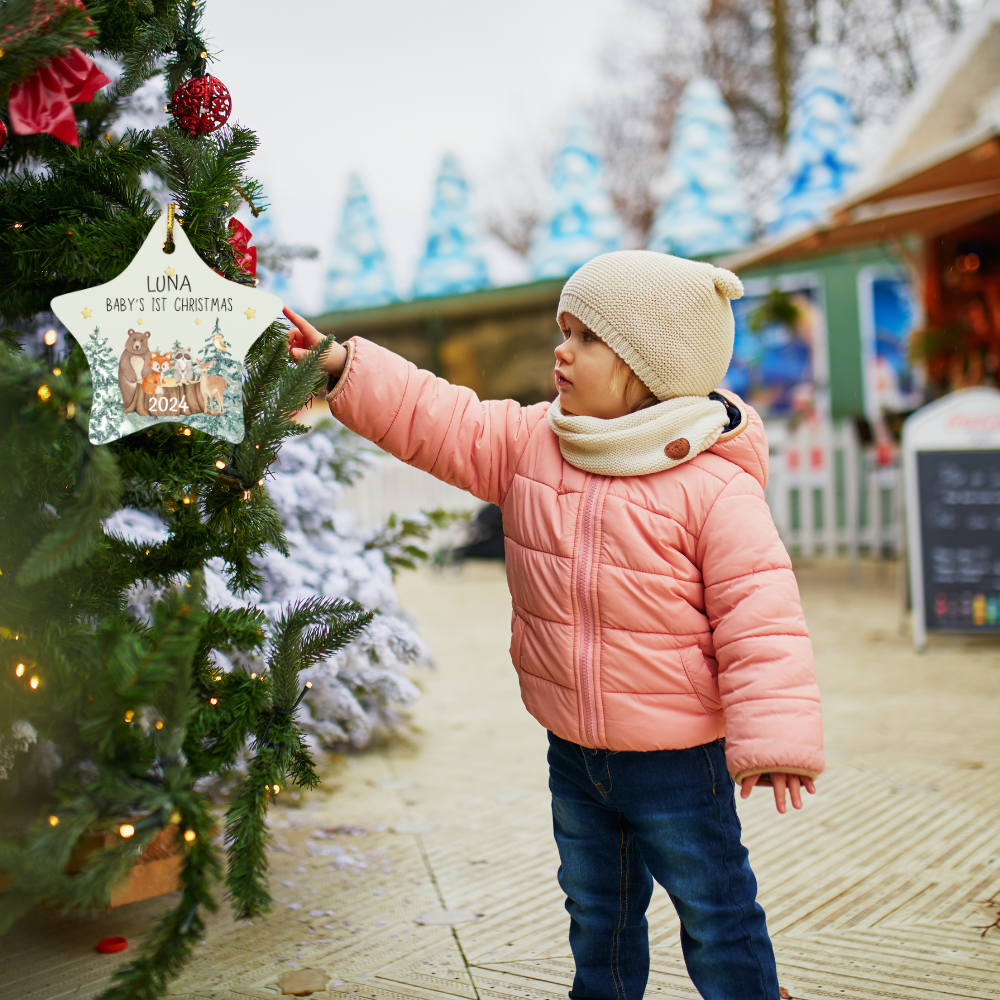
point(826, 492)
point(829, 495)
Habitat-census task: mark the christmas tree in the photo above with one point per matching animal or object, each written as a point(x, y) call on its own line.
point(271, 265)
point(452, 260)
point(124, 684)
point(359, 273)
point(578, 220)
point(821, 154)
point(704, 210)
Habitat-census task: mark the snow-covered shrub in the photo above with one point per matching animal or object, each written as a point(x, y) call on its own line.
point(362, 690)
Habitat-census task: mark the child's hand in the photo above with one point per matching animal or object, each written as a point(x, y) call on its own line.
point(792, 782)
point(303, 336)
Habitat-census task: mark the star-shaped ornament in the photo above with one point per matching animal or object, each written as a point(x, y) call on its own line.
point(162, 372)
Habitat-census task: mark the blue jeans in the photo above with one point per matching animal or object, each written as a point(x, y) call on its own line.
point(623, 818)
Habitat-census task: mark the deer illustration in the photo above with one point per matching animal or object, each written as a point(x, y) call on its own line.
point(212, 386)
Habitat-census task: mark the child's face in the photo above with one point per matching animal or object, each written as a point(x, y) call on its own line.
point(585, 373)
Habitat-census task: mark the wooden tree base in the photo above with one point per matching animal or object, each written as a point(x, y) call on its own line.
point(155, 873)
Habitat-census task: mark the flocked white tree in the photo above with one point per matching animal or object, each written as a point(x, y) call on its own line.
point(704, 209)
point(363, 690)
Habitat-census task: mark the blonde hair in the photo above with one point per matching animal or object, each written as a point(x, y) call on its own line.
point(633, 390)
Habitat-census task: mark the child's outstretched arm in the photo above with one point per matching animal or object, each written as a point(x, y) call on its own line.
point(424, 420)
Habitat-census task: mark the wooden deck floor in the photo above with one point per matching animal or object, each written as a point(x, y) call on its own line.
point(871, 892)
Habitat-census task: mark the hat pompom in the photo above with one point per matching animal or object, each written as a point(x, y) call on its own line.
point(727, 283)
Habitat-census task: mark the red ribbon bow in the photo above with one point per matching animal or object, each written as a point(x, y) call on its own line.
point(44, 102)
point(239, 239)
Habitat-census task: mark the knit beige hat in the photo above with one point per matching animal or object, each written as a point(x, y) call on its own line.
point(669, 319)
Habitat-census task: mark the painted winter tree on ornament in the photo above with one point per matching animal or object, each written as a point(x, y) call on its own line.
point(821, 155)
point(452, 262)
point(704, 210)
point(578, 219)
point(359, 274)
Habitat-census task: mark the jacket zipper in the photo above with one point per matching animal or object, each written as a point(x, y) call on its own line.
point(586, 604)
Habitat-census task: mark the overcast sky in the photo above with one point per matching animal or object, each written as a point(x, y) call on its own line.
point(385, 87)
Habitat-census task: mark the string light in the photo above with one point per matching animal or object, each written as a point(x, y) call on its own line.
point(217, 677)
point(57, 371)
point(159, 724)
point(186, 432)
point(70, 409)
point(309, 684)
point(260, 482)
point(50, 337)
point(190, 836)
point(213, 701)
point(17, 225)
point(53, 821)
point(219, 464)
point(33, 683)
point(253, 677)
point(129, 715)
point(44, 392)
point(246, 495)
point(126, 830)
point(277, 788)
point(19, 670)
point(175, 817)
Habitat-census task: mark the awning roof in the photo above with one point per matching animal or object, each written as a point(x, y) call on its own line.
point(467, 306)
point(957, 185)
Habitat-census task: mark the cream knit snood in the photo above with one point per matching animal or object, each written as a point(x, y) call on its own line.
point(650, 440)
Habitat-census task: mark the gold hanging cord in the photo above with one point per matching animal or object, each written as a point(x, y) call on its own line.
point(168, 247)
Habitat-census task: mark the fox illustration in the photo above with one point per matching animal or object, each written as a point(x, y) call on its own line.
point(160, 363)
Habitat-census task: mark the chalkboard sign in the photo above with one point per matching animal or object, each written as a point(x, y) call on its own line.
point(960, 539)
point(951, 465)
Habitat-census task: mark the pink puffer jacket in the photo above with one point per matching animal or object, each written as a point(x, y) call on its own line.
point(650, 612)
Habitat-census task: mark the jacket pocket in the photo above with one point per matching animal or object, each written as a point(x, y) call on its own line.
point(702, 674)
point(518, 626)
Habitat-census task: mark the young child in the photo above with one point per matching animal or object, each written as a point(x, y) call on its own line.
point(657, 629)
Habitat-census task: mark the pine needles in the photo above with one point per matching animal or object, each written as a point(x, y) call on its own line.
point(132, 709)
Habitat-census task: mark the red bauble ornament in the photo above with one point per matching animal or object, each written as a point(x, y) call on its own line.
point(201, 104)
point(108, 946)
point(3, 134)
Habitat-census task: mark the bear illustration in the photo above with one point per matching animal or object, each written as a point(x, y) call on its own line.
point(184, 364)
point(133, 365)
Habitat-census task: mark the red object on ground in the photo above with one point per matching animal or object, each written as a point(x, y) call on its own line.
point(44, 102)
point(108, 946)
point(201, 104)
point(239, 240)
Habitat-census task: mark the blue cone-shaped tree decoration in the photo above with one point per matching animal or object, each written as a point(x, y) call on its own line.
point(704, 210)
point(359, 273)
point(821, 153)
point(578, 220)
point(452, 262)
point(272, 281)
